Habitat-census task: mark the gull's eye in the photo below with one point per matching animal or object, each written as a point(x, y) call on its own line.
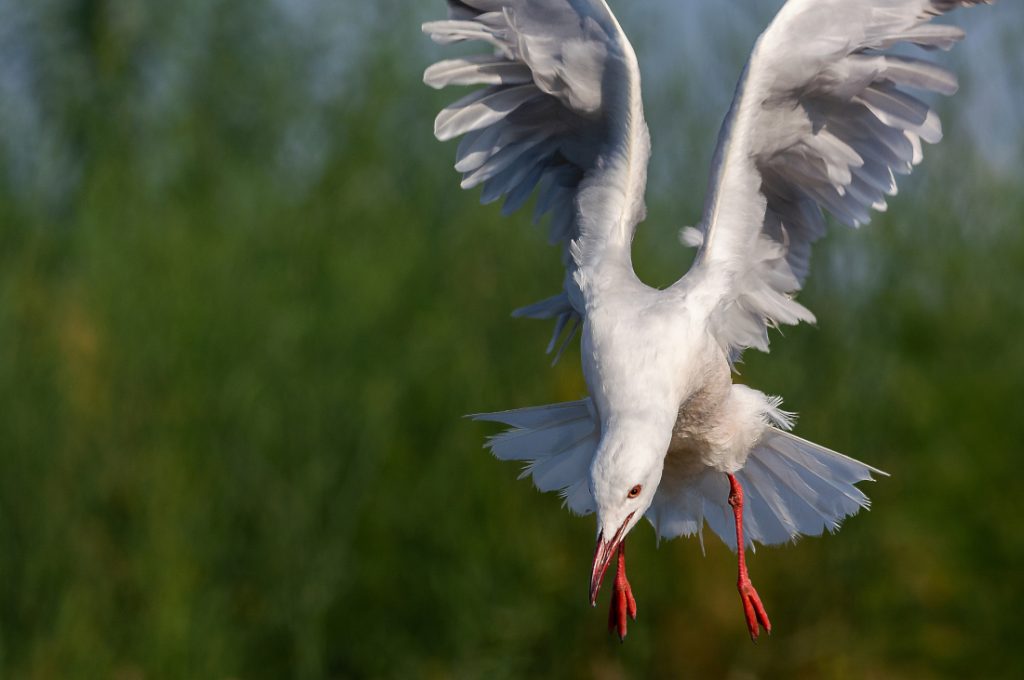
point(635, 491)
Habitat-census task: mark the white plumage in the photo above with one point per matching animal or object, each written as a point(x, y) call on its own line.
point(824, 119)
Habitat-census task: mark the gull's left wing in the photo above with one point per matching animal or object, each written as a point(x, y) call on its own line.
point(822, 120)
point(560, 110)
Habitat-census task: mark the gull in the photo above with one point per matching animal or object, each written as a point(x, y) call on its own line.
point(822, 122)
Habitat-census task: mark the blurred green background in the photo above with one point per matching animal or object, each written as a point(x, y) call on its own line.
point(243, 305)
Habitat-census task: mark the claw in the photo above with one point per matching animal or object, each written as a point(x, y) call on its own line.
point(623, 603)
point(753, 609)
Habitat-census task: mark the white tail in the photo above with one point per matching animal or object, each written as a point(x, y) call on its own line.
point(558, 440)
point(792, 487)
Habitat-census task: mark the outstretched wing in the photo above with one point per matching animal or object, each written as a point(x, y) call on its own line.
point(561, 111)
point(822, 121)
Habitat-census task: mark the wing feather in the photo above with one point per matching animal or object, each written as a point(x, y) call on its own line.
point(482, 69)
point(822, 121)
point(558, 115)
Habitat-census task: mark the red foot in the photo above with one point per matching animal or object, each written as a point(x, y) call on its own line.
point(752, 607)
point(622, 603)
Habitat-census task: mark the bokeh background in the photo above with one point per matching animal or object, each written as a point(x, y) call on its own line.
point(243, 305)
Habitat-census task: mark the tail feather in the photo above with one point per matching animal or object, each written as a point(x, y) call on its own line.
point(792, 487)
point(569, 465)
point(768, 505)
point(786, 495)
point(537, 416)
point(799, 488)
point(541, 442)
point(558, 441)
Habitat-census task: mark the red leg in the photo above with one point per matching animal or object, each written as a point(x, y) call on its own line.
point(622, 602)
point(752, 607)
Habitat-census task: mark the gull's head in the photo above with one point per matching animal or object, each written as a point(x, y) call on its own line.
point(624, 477)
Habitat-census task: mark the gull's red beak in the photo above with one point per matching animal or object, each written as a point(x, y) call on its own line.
point(603, 554)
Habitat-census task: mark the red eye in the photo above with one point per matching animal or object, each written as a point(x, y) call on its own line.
point(635, 491)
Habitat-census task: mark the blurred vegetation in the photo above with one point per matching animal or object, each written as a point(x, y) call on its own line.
point(243, 306)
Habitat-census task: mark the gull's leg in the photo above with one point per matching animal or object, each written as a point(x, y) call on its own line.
point(752, 607)
point(622, 598)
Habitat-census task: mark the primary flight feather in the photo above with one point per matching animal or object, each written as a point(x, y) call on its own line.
point(824, 118)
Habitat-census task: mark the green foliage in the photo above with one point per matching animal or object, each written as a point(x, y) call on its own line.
point(235, 349)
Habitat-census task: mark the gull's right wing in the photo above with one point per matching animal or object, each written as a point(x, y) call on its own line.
point(824, 118)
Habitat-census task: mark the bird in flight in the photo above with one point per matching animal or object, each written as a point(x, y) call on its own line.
point(824, 118)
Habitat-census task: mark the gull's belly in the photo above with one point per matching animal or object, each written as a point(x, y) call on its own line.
point(695, 432)
point(716, 427)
